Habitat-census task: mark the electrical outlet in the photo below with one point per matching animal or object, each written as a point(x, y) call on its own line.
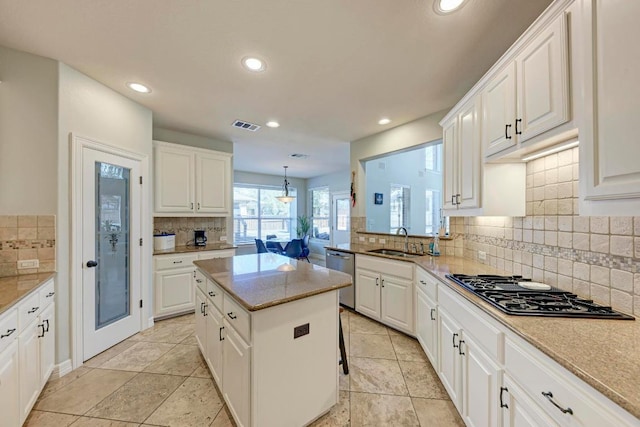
point(223, 238)
point(383, 241)
point(482, 255)
point(28, 263)
point(372, 239)
point(361, 239)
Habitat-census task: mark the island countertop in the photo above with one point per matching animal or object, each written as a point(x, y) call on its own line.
point(260, 281)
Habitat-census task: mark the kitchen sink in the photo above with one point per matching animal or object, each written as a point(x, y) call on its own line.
point(391, 252)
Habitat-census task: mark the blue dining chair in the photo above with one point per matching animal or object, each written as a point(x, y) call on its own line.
point(262, 249)
point(305, 248)
point(293, 248)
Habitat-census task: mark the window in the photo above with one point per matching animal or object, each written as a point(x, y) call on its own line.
point(258, 214)
point(432, 218)
point(400, 206)
point(433, 157)
point(320, 213)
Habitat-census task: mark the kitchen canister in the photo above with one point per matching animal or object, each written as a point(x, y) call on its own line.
point(164, 241)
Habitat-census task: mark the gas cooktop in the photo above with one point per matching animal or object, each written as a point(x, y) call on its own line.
point(524, 297)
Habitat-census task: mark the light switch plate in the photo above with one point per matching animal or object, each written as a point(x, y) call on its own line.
point(482, 255)
point(28, 263)
point(361, 238)
point(372, 239)
point(223, 238)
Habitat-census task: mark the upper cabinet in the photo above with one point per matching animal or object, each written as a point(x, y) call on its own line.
point(530, 95)
point(608, 76)
point(191, 181)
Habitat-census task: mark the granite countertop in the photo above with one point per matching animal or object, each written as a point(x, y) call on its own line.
point(603, 353)
point(260, 281)
point(186, 249)
point(14, 288)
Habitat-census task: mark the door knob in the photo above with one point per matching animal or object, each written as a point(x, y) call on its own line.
point(92, 263)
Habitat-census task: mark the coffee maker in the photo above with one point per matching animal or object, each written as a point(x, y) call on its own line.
point(199, 239)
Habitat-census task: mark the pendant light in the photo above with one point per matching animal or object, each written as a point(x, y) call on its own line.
point(285, 198)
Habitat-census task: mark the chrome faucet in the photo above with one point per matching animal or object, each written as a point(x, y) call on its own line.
point(406, 238)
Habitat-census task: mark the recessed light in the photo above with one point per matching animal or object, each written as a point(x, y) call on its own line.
point(273, 124)
point(447, 6)
point(139, 87)
point(253, 64)
point(384, 121)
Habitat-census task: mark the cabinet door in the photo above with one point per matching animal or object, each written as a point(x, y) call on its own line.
point(481, 386)
point(449, 369)
point(29, 360)
point(397, 303)
point(47, 343)
point(213, 183)
point(235, 384)
point(498, 112)
point(469, 162)
point(9, 386)
point(368, 293)
point(543, 86)
point(450, 173)
point(174, 180)
point(174, 291)
point(609, 166)
point(518, 410)
point(427, 326)
point(215, 338)
point(201, 324)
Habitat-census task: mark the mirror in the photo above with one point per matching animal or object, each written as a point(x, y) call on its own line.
point(404, 189)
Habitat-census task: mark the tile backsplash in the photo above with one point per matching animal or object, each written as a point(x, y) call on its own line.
point(183, 228)
point(26, 237)
point(594, 257)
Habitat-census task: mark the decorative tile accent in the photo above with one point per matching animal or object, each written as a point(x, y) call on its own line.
point(27, 237)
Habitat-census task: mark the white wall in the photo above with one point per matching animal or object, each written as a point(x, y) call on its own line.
point(90, 109)
point(176, 137)
point(28, 133)
point(414, 133)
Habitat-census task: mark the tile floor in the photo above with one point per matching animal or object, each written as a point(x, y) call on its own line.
point(158, 378)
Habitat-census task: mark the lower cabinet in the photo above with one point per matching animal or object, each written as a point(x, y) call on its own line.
point(29, 351)
point(9, 385)
point(236, 360)
point(518, 409)
point(201, 321)
point(450, 368)
point(214, 341)
point(427, 325)
point(384, 291)
point(481, 379)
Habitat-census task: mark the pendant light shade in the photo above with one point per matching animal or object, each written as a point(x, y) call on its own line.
point(285, 198)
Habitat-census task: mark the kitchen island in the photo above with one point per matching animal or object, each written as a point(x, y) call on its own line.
point(267, 326)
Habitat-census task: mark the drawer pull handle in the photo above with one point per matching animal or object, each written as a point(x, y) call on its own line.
point(377, 281)
point(518, 132)
point(50, 294)
point(177, 262)
point(211, 294)
point(43, 331)
point(231, 315)
point(502, 404)
point(202, 307)
point(423, 282)
point(506, 132)
point(383, 283)
point(433, 312)
point(454, 341)
point(205, 309)
point(220, 333)
point(460, 352)
point(198, 281)
point(549, 397)
point(33, 310)
point(9, 333)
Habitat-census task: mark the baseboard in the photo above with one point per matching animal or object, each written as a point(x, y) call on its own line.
point(150, 322)
point(62, 369)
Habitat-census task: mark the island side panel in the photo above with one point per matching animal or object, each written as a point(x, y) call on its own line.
point(294, 381)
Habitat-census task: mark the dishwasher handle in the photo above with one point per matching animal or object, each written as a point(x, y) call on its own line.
point(338, 255)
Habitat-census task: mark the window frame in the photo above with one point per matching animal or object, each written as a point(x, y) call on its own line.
point(313, 218)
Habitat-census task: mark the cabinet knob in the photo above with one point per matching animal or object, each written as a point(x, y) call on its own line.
point(92, 263)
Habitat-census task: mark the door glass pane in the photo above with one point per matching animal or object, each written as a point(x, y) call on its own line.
point(112, 243)
point(342, 214)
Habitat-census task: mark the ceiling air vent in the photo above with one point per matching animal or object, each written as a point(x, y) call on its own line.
point(245, 125)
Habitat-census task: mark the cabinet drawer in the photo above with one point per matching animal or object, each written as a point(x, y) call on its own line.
point(47, 294)
point(427, 283)
point(223, 253)
point(474, 322)
point(201, 281)
point(393, 268)
point(214, 293)
point(8, 328)
point(174, 261)
point(28, 310)
point(538, 374)
point(237, 317)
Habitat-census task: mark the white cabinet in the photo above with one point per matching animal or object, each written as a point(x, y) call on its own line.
point(174, 280)
point(29, 362)
point(214, 341)
point(609, 148)
point(384, 291)
point(471, 187)
point(519, 410)
point(9, 385)
point(530, 95)
point(47, 343)
point(427, 314)
point(481, 380)
point(191, 180)
point(236, 361)
point(450, 368)
point(201, 321)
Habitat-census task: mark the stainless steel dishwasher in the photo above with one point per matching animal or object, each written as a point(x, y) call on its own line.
point(345, 262)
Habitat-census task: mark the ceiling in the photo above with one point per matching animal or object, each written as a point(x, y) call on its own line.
point(334, 67)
